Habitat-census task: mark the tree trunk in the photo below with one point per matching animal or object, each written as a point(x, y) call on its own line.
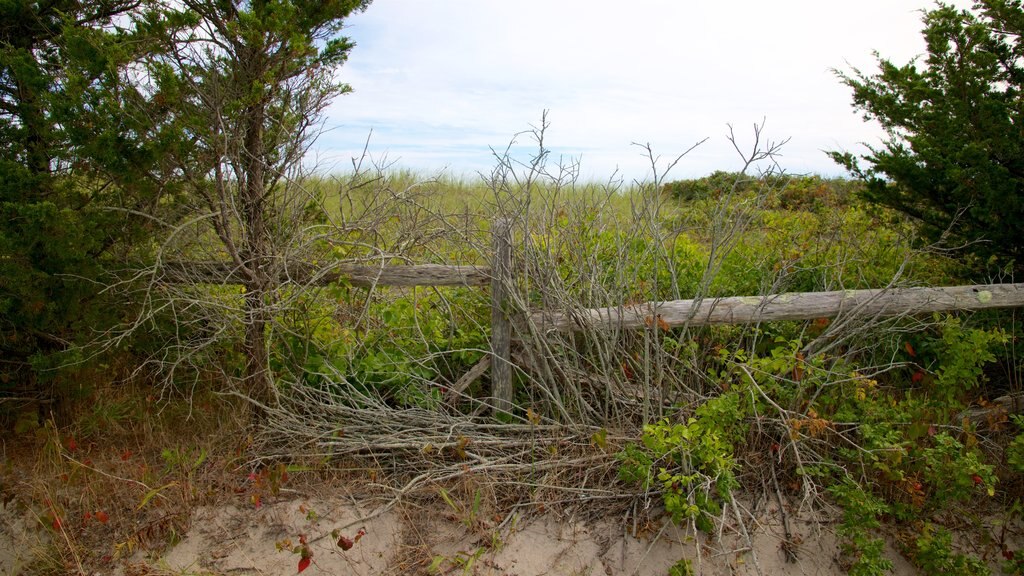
point(259, 384)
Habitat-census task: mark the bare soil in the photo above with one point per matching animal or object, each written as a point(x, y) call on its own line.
point(431, 538)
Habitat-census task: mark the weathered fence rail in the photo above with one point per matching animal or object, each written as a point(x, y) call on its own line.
point(363, 276)
point(789, 306)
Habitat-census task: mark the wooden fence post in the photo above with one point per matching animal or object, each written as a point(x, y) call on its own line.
point(501, 327)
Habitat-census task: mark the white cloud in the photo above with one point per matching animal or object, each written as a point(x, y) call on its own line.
point(441, 82)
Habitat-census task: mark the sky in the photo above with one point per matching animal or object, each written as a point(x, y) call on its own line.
point(440, 85)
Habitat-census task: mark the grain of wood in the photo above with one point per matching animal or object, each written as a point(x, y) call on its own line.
point(788, 306)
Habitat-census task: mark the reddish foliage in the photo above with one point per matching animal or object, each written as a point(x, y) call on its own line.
point(798, 369)
point(346, 543)
point(910, 350)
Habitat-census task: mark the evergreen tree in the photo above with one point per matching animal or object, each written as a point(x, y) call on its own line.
point(67, 155)
point(247, 86)
point(954, 155)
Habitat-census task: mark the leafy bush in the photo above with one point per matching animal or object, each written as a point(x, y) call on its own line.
point(934, 555)
point(863, 551)
point(693, 463)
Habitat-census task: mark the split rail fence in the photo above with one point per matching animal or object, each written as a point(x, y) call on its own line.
point(874, 303)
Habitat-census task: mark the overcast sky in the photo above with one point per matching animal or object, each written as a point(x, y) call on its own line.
point(442, 82)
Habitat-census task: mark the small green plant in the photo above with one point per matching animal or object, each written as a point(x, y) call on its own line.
point(963, 353)
point(934, 555)
point(185, 462)
point(635, 465)
point(468, 515)
point(1015, 451)
point(692, 463)
point(681, 568)
point(465, 561)
point(862, 550)
point(954, 472)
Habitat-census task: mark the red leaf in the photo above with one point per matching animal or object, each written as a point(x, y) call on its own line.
point(360, 534)
point(917, 377)
point(126, 455)
point(977, 479)
point(304, 563)
point(345, 543)
point(72, 445)
point(910, 350)
point(56, 523)
point(102, 517)
point(663, 325)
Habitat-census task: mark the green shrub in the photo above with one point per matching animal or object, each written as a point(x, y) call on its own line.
point(933, 554)
point(693, 463)
point(863, 551)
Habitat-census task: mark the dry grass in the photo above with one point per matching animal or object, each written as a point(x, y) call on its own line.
point(120, 476)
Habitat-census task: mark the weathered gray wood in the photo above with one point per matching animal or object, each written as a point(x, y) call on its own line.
point(789, 306)
point(472, 375)
point(210, 272)
point(994, 412)
point(501, 327)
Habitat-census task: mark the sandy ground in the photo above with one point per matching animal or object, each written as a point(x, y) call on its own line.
point(407, 540)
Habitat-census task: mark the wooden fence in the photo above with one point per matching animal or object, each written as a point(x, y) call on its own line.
point(877, 303)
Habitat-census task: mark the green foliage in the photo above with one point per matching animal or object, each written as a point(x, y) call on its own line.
point(1015, 451)
point(712, 186)
point(635, 465)
point(621, 265)
point(910, 463)
point(933, 554)
point(246, 84)
point(792, 193)
point(406, 347)
point(953, 160)
point(692, 463)
point(953, 471)
point(863, 550)
point(963, 353)
point(683, 567)
point(70, 172)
